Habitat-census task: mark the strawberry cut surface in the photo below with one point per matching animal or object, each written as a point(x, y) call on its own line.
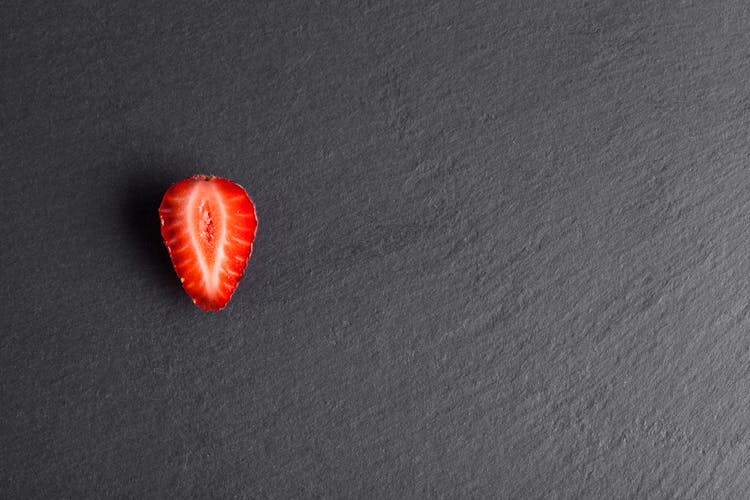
point(208, 225)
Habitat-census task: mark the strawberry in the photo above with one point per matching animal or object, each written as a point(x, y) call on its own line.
point(208, 225)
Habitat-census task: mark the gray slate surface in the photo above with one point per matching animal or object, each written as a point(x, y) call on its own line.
point(503, 250)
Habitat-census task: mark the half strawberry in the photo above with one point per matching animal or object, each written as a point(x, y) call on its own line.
point(208, 225)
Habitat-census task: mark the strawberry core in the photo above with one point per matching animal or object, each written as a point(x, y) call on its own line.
point(206, 224)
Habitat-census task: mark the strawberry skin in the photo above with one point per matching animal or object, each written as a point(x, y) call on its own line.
point(208, 225)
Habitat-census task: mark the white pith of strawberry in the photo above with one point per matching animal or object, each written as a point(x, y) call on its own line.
point(208, 225)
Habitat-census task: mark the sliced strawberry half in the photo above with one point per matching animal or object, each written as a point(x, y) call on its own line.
point(208, 225)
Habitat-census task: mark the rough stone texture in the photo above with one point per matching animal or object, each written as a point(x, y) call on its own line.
point(503, 250)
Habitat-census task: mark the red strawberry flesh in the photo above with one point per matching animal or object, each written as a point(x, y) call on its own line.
point(208, 225)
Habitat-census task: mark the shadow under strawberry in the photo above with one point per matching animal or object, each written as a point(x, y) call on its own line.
point(139, 211)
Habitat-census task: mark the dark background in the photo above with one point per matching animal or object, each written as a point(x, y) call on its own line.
point(503, 249)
